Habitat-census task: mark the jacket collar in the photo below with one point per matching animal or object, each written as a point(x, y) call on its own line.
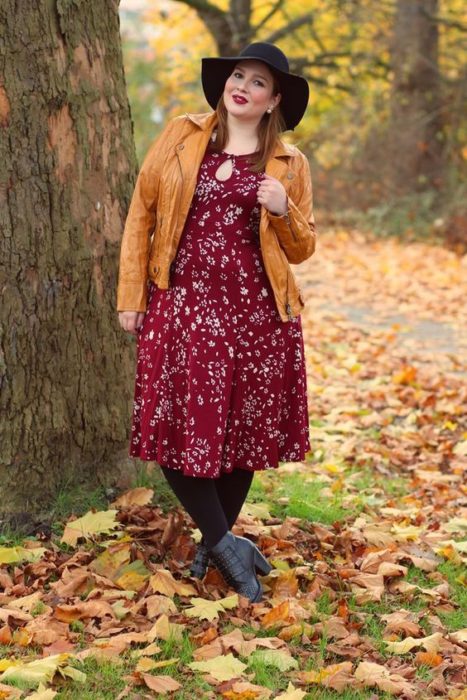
point(208, 120)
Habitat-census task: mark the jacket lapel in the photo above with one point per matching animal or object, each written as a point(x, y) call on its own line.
point(278, 165)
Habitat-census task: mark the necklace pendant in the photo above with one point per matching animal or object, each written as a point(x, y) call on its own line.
point(224, 171)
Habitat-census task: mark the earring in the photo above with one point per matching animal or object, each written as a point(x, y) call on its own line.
point(269, 110)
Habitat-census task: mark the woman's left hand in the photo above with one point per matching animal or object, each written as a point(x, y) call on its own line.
point(272, 195)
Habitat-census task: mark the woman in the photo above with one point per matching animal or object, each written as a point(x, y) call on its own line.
point(220, 208)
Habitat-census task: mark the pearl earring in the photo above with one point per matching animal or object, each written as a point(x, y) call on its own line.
point(269, 110)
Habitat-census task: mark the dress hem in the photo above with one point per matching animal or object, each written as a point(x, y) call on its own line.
point(222, 471)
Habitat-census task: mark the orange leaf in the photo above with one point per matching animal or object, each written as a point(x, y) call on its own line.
point(428, 658)
point(5, 635)
point(278, 614)
point(407, 375)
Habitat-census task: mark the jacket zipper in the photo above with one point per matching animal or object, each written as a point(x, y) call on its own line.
point(156, 268)
point(288, 308)
point(286, 217)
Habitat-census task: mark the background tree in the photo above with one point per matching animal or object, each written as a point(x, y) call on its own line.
point(416, 129)
point(68, 166)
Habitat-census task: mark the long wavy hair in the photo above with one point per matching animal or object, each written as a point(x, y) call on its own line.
point(269, 129)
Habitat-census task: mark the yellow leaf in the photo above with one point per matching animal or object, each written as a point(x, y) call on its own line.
point(222, 668)
point(111, 560)
point(210, 609)
point(43, 694)
point(291, 693)
point(257, 510)
point(132, 576)
point(163, 582)
point(32, 673)
point(89, 525)
point(163, 629)
point(406, 533)
point(74, 673)
point(13, 555)
point(430, 643)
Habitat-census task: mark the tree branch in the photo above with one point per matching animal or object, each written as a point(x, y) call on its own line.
point(447, 22)
point(290, 27)
point(277, 6)
point(202, 6)
point(217, 22)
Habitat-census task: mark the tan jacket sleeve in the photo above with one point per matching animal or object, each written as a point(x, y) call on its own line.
point(295, 230)
point(139, 225)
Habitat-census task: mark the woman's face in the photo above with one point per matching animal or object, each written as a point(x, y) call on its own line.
point(248, 92)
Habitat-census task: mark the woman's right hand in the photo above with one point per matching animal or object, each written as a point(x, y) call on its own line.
point(130, 321)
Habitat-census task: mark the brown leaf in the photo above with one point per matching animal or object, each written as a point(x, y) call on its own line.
point(139, 496)
point(161, 684)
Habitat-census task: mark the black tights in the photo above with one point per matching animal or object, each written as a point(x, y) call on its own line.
point(213, 504)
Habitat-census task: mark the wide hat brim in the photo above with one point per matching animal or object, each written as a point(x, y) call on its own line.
point(293, 88)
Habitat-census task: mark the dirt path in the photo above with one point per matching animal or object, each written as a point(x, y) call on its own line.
point(417, 292)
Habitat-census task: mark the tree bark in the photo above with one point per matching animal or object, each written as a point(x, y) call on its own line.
point(415, 144)
point(68, 169)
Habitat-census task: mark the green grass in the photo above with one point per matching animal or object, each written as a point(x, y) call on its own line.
point(324, 605)
point(365, 479)
point(10, 538)
point(104, 680)
point(77, 500)
point(457, 619)
point(306, 501)
point(265, 674)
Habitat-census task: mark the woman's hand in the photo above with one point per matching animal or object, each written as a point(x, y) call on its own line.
point(272, 195)
point(130, 321)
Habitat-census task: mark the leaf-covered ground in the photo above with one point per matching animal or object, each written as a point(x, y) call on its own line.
point(368, 595)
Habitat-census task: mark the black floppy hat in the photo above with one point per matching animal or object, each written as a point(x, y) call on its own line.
point(293, 88)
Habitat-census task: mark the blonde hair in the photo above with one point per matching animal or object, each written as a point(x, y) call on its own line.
point(269, 129)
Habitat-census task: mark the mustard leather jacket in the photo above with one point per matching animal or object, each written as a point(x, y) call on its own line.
point(162, 198)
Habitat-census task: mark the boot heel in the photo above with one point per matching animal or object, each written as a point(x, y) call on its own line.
point(262, 564)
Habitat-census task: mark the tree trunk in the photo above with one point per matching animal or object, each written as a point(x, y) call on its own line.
point(68, 168)
point(415, 144)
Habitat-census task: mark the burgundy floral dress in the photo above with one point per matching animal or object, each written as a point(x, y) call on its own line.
point(220, 379)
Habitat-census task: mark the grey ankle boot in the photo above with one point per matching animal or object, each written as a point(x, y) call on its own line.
point(200, 561)
point(236, 558)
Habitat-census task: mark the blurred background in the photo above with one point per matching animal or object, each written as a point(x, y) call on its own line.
point(385, 131)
